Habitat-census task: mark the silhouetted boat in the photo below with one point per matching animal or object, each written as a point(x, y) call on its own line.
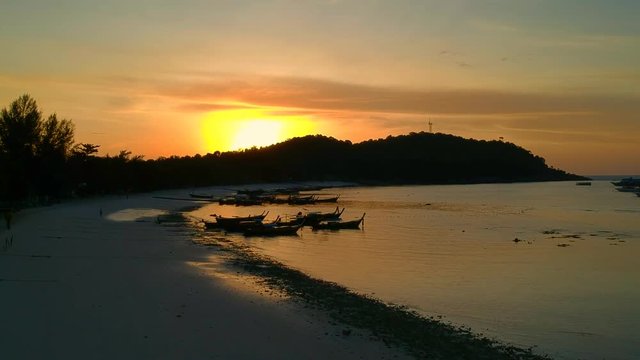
point(328, 200)
point(339, 224)
point(236, 219)
point(240, 200)
point(313, 218)
point(238, 224)
point(583, 183)
point(302, 200)
point(272, 230)
point(292, 220)
point(630, 181)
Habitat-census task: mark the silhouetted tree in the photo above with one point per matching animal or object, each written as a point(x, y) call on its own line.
point(33, 150)
point(84, 150)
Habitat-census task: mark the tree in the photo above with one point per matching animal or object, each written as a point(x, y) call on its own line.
point(85, 150)
point(33, 150)
point(56, 137)
point(20, 127)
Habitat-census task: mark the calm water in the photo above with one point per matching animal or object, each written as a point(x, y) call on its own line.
point(572, 286)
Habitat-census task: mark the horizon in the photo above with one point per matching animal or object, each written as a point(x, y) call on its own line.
point(602, 176)
point(168, 78)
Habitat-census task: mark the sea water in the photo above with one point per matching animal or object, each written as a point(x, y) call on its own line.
point(551, 265)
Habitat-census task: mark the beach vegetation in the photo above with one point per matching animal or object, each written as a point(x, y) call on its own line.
point(33, 150)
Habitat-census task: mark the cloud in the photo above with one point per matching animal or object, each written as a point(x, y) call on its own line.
point(207, 107)
point(289, 96)
point(305, 94)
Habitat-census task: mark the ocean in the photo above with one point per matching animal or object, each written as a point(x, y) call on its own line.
point(549, 265)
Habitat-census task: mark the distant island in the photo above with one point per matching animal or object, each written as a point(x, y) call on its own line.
point(40, 161)
point(416, 158)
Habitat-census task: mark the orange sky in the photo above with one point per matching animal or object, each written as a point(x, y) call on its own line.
point(176, 78)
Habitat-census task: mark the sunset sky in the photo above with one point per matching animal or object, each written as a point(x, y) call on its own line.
point(559, 77)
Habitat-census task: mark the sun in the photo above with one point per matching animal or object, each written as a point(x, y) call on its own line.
point(259, 132)
point(246, 128)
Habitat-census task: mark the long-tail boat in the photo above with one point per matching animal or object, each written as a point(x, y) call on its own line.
point(222, 221)
point(339, 224)
point(315, 217)
point(302, 200)
point(332, 199)
point(272, 230)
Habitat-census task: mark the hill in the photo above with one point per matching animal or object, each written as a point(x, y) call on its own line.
point(416, 158)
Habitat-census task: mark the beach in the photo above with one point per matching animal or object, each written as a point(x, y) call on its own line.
point(100, 279)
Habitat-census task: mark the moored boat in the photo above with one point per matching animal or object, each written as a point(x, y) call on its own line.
point(272, 230)
point(315, 217)
point(630, 181)
point(223, 219)
point(339, 224)
point(302, 200)
point(332, 199)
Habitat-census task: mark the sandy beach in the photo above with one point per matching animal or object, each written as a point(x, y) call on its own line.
point(90, 279)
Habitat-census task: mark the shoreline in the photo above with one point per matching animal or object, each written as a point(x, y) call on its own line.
point(392, 324)
point(323, 305)
point(75, 284)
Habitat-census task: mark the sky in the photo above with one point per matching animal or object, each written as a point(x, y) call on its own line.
point(161, 78)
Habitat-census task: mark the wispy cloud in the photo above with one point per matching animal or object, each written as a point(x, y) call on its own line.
point(322, 95)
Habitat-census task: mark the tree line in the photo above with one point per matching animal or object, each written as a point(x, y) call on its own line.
point(40, 161)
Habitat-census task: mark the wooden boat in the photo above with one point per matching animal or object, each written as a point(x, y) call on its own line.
point(297, 220)
point(272, 230)
point(313, 218)
point(240, 200)
point(339, 224)
point(630, 181)
point(238, 223)
point(222, 219)
point(239, 226)
point(302, 200)
point(332, 199)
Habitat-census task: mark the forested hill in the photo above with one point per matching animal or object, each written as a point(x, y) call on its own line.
point(417, 158)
